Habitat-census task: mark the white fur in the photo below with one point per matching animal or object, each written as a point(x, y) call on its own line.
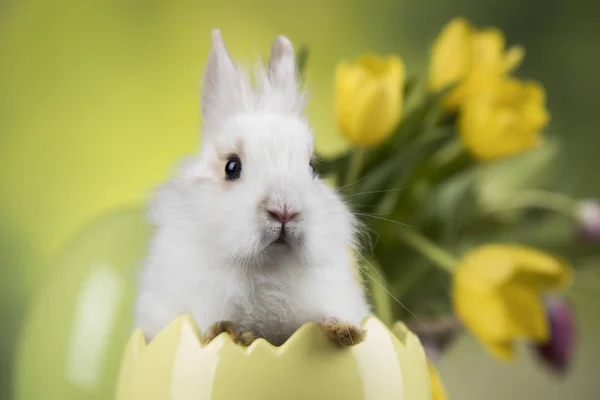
point(211, 255)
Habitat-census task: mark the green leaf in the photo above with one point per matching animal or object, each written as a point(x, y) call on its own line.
point(335, 167)
point(453, 204)
point(392, 173)
point(389, 182)
point(499, 180)
point(450, 161)
point(410, 85)
point(411, 277)
point(422, 117)
point(415, 123)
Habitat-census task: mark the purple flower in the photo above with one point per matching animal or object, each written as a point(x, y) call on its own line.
point(588, 217)
point(558, 351)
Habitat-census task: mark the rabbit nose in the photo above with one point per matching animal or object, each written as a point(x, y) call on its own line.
point(282, 215)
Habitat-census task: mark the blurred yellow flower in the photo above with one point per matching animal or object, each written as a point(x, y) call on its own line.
point(497, 293)
point(503, 120)
point(437, 386)
point(369, 98)
point(470, 58)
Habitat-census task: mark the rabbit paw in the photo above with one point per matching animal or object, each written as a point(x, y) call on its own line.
point(236, 331)
point(342, 333)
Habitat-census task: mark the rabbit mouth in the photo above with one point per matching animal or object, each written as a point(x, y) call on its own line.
point(284, 236)
point(282, 239)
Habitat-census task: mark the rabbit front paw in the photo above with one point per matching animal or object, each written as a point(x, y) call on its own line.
point(342, 333)
point(236, 331)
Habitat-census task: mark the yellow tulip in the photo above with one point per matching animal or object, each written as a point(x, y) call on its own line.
point(369, 98)
point(471, 59)
point(503, 120)
point(497, 292)
point(437, 386)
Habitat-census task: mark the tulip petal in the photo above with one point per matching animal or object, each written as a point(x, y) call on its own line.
point(487, 49)
point(504, 351)
point(348, 78)
point(450, 55)
point(369, 98)
point(472, 59)
point(526, 314)
point(378, 106)
point(513, 58)
point(491, 133)
point(489, 267)
point(532, 99)
point(511, 313)
point(377, 114)
point(496, 264)
point(481, 309)
point(539, 270)
point(504, 118)
point(380, 67)
point(437, 386)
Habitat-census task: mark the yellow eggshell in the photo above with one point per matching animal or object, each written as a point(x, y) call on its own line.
point(176, 365)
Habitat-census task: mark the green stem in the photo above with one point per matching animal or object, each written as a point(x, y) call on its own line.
point(557, 202)
point(356, 164)
point(429, 249)
point(448, 154)
point(409, 280)
point(390, 199)
point(380, 295)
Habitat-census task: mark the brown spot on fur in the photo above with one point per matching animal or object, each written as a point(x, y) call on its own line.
point(343, 333)
point(235, 330)
point(263, 201)
point(239, 148)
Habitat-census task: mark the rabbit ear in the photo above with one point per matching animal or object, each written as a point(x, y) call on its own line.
point(282, 65)
point(220, 76)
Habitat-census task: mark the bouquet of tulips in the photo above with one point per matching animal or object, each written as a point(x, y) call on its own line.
point(451, 173)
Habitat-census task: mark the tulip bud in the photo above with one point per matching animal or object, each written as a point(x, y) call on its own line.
point(588, 217)
point(368, 99)
point(558, 351)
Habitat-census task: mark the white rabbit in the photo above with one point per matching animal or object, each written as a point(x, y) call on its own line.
point(248, 239)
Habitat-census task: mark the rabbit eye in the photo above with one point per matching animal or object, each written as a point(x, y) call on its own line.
point(233, 168)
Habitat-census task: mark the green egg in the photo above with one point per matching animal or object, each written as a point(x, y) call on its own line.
point(79, 323)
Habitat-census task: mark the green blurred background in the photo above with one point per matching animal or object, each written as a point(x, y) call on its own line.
point(99, 98)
